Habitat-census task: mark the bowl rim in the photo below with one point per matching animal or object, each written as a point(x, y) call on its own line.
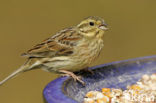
point(58, 84)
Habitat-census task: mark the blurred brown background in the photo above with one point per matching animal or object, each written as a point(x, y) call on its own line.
point(24, 23)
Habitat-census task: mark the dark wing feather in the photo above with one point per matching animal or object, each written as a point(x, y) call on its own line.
point(60, 44)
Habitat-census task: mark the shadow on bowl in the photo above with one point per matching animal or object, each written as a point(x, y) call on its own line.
point(112, 75)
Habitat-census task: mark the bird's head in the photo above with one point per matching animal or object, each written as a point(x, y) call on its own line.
point(92, 27)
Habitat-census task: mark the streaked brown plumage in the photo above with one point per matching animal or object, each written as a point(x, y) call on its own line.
point(69, 50)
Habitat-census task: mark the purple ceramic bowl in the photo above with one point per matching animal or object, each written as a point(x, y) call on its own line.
point(112, 75)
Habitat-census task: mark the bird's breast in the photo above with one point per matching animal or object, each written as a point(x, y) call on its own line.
point(88, 51)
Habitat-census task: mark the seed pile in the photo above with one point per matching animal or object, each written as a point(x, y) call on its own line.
point(144, 91)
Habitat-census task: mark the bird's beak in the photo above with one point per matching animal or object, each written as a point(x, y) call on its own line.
point(103, 26)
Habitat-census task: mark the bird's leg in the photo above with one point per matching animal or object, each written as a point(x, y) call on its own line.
point(88, 70)
point(71, 74)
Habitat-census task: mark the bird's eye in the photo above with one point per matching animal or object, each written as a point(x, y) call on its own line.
point(91, 23)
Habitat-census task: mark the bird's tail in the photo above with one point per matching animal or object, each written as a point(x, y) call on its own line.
point(22, 69)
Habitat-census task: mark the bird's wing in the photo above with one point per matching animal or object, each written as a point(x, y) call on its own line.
point(61, 44)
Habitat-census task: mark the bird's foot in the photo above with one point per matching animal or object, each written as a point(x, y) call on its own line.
point(88, 70)
point(71, 74)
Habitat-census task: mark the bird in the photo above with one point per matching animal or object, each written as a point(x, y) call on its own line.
point(69, 50)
